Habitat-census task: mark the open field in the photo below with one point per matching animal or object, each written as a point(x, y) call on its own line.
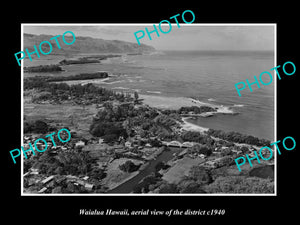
point(181, 169)
point(115, 176)
point(75, 117)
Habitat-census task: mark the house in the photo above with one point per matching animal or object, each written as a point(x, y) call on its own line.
point(187, 144)
point(202, 156)
point(71, 178)
point(81, 182)
point(217, 153)
point(47, 179)
point(34, 170)
point(175, 144)
point(79, 144)
point(27, 138)
point(26, 174)
point(88, 186)
point(85, 178)
point(127, 144)
point(42, 190)
point(164, 143)
point(130, 154)
point(101, 140)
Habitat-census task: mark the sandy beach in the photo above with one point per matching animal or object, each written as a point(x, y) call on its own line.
point(192, 127)
point(163, 102)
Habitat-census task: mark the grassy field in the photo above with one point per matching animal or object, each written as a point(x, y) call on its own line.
point(181, 169)
point(115, 176)
point(75, 117)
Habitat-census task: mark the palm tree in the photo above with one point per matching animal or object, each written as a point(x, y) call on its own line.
point(136, 96)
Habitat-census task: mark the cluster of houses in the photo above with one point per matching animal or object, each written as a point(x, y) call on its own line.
point(178, 144)
point(59, 146)
point(47, 184)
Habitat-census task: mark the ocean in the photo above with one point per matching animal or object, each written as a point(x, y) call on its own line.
point(208, 76)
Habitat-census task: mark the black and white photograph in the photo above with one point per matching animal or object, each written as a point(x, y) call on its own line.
point(166, 116)
point(145, 113)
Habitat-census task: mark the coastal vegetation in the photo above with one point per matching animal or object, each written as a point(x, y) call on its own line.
point(196, 109)
point(238, 137)
point(189, 109)
point(78, 61)
point(43, 69)
point(79, 94)
point(240, 184)
point(81, 76)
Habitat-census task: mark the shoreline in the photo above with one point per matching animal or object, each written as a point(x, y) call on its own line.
point(164, 102)
point(192, 127)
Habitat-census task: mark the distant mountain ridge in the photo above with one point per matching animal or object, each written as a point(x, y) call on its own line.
point(84, 45)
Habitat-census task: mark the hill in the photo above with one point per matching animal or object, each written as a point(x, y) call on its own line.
point(84, 45)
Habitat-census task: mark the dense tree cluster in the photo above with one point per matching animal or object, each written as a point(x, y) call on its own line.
point(195, 109)
point(43, 68)
point(238, 137)
point(200, 149)
point(78, 61)
point(64, 163)
point(81, 94)
point(109, 131)
point(240, 184)
point(188, 109)
point(200, 175)
point(87, 59)
point(149, 183)
point(129, 166)
point(194, 136)
point(81, 76)
point(143, 121)
point(37, 126)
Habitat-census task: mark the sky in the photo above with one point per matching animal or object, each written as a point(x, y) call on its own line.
point(187, 37)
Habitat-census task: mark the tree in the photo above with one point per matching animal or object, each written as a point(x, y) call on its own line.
point(245, 150)
point(192, 187)
point(200, 149)
point(155, 143)
point(27, 127)
point(136, 96)
point(161, 165)
point(241, 184)
point(129, 167)
point(200, 175)
point(168, 188)
point(109, 138)
point(57, 189)
point(99, 129)
point(97, 173)
point(70, 188)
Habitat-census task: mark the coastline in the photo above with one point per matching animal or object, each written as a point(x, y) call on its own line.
point(192, 127)
point(164, 102)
